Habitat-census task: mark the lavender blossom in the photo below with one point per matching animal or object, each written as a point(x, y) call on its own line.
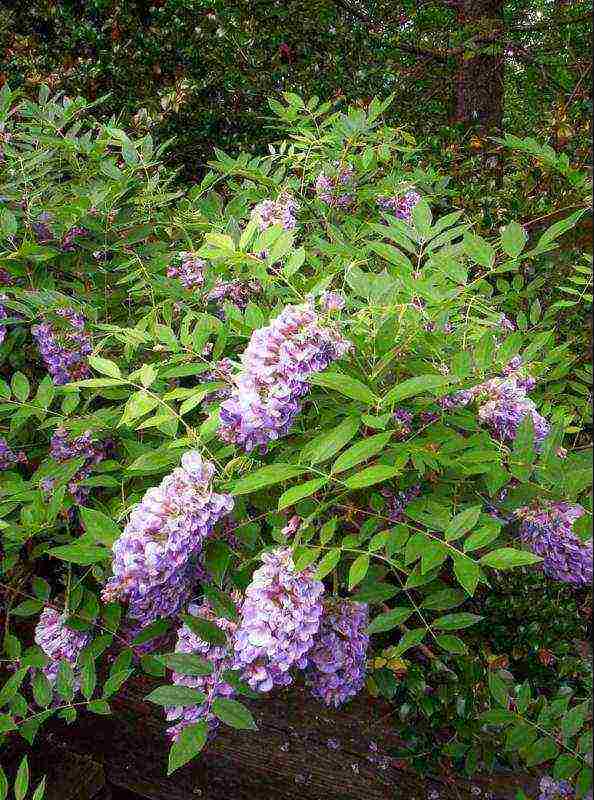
point(280, 617)
point(276, 212)
point(5, 277)
point(188, 268)
point(68, 245)
point(3, 316)
point(336, 670)
point(237, 292)
point(58, 642)
point(8, 457)
point(328, 188)
point(154, 558)
point(332, 301)
point(62, 448)
point(403, 422)
point(551, 789)
point(397, 502)
point(212, 685)
point(273, 379)
point(547, 531)
point(400, 206)
point(64, 351)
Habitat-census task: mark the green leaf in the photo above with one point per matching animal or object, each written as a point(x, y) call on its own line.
point(99, 707)
point(452, 644)
point(20, 386)
point(187, 664)
point(389, 619)
point(81, 553)
point(205, 629)
point(478, 249)
point(412, 387)
point(508, 558)
point(266, 476)
point(361, 451)
point(358, 570)
point(296, 493)
point(544, 749)
point(497, 716)
point(99, 527)
point(305, 556)
point(513, 239)
point(233, 713)
point(327, 444)
point(462, 523)
point(498, 689)
point(175, 696)
point(139, 404)
point(189, 743)
point(467, 573)
point(42, 690)
point(88, 679)
point(344, 384)
point(453, 622)
point(371, 475)
point(566, 767)
point(6, 724)
point(105, 367)
point(3, 785)
point(410, 639)
point(65, 680)
point(375, 592)
point(39, 792)
point(443, 599)
point(21, 784)
point(115, 681)
point(327, 564)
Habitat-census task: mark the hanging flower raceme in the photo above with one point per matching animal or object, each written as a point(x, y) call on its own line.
point(547, 531)
point(64, 351)
point(273, 380)
point(280, 617)
point(551, 789)
point(328, 188)
point(336, 670)
point(8, 457)
point(188, 268)
point(62, 448)
point(58, 642)
point(397, 502)
point(401, 206)
point(239, 293)
point(3, 316)
point(276, 212)
point(503, 404)
point(154, 558)
point(212, 685)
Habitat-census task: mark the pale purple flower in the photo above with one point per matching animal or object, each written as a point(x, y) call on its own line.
point(506, 324)
point(273, 378)
point(332, 301)
point(280, 617)
point(398, 501)
point(64, 350)
point(3, 315)
point(336, 669)
point(547, 531)
point(68, 244)
point(58, 642)
point(276, 212)
point(403, 422)
point(327, 188)
point(400, 206)
point(212, 685)
point(237, 292)
point(551, 789)
point(154, 558)
point(8, 457)
point(62, 448)
point(188, 269)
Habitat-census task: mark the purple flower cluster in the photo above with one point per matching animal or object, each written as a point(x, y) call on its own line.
point(547, 531)
point(57, 641)
point(551, 789)
point(5, 277)
point(403, 422)
point(400, 206)
point(154, 558)
point(503, 404)
point(212, 685)
point(68, 244)
point(237, 292)
point(276, 212)
point(64, 351)
point(332, 301)
point(280, 616)
point(397, 502)
point(8, 457)
point(273, 380)
point(62, 448)
point(3, 315)
point(188, 268)
point(43, 233)
point(336, 670)
point(328, 189)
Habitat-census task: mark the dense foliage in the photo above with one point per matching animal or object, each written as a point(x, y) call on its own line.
point(299, 422)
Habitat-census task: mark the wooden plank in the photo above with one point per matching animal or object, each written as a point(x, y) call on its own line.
point(301, 751)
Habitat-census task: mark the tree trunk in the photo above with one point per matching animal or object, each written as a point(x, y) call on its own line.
point(479, 95)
